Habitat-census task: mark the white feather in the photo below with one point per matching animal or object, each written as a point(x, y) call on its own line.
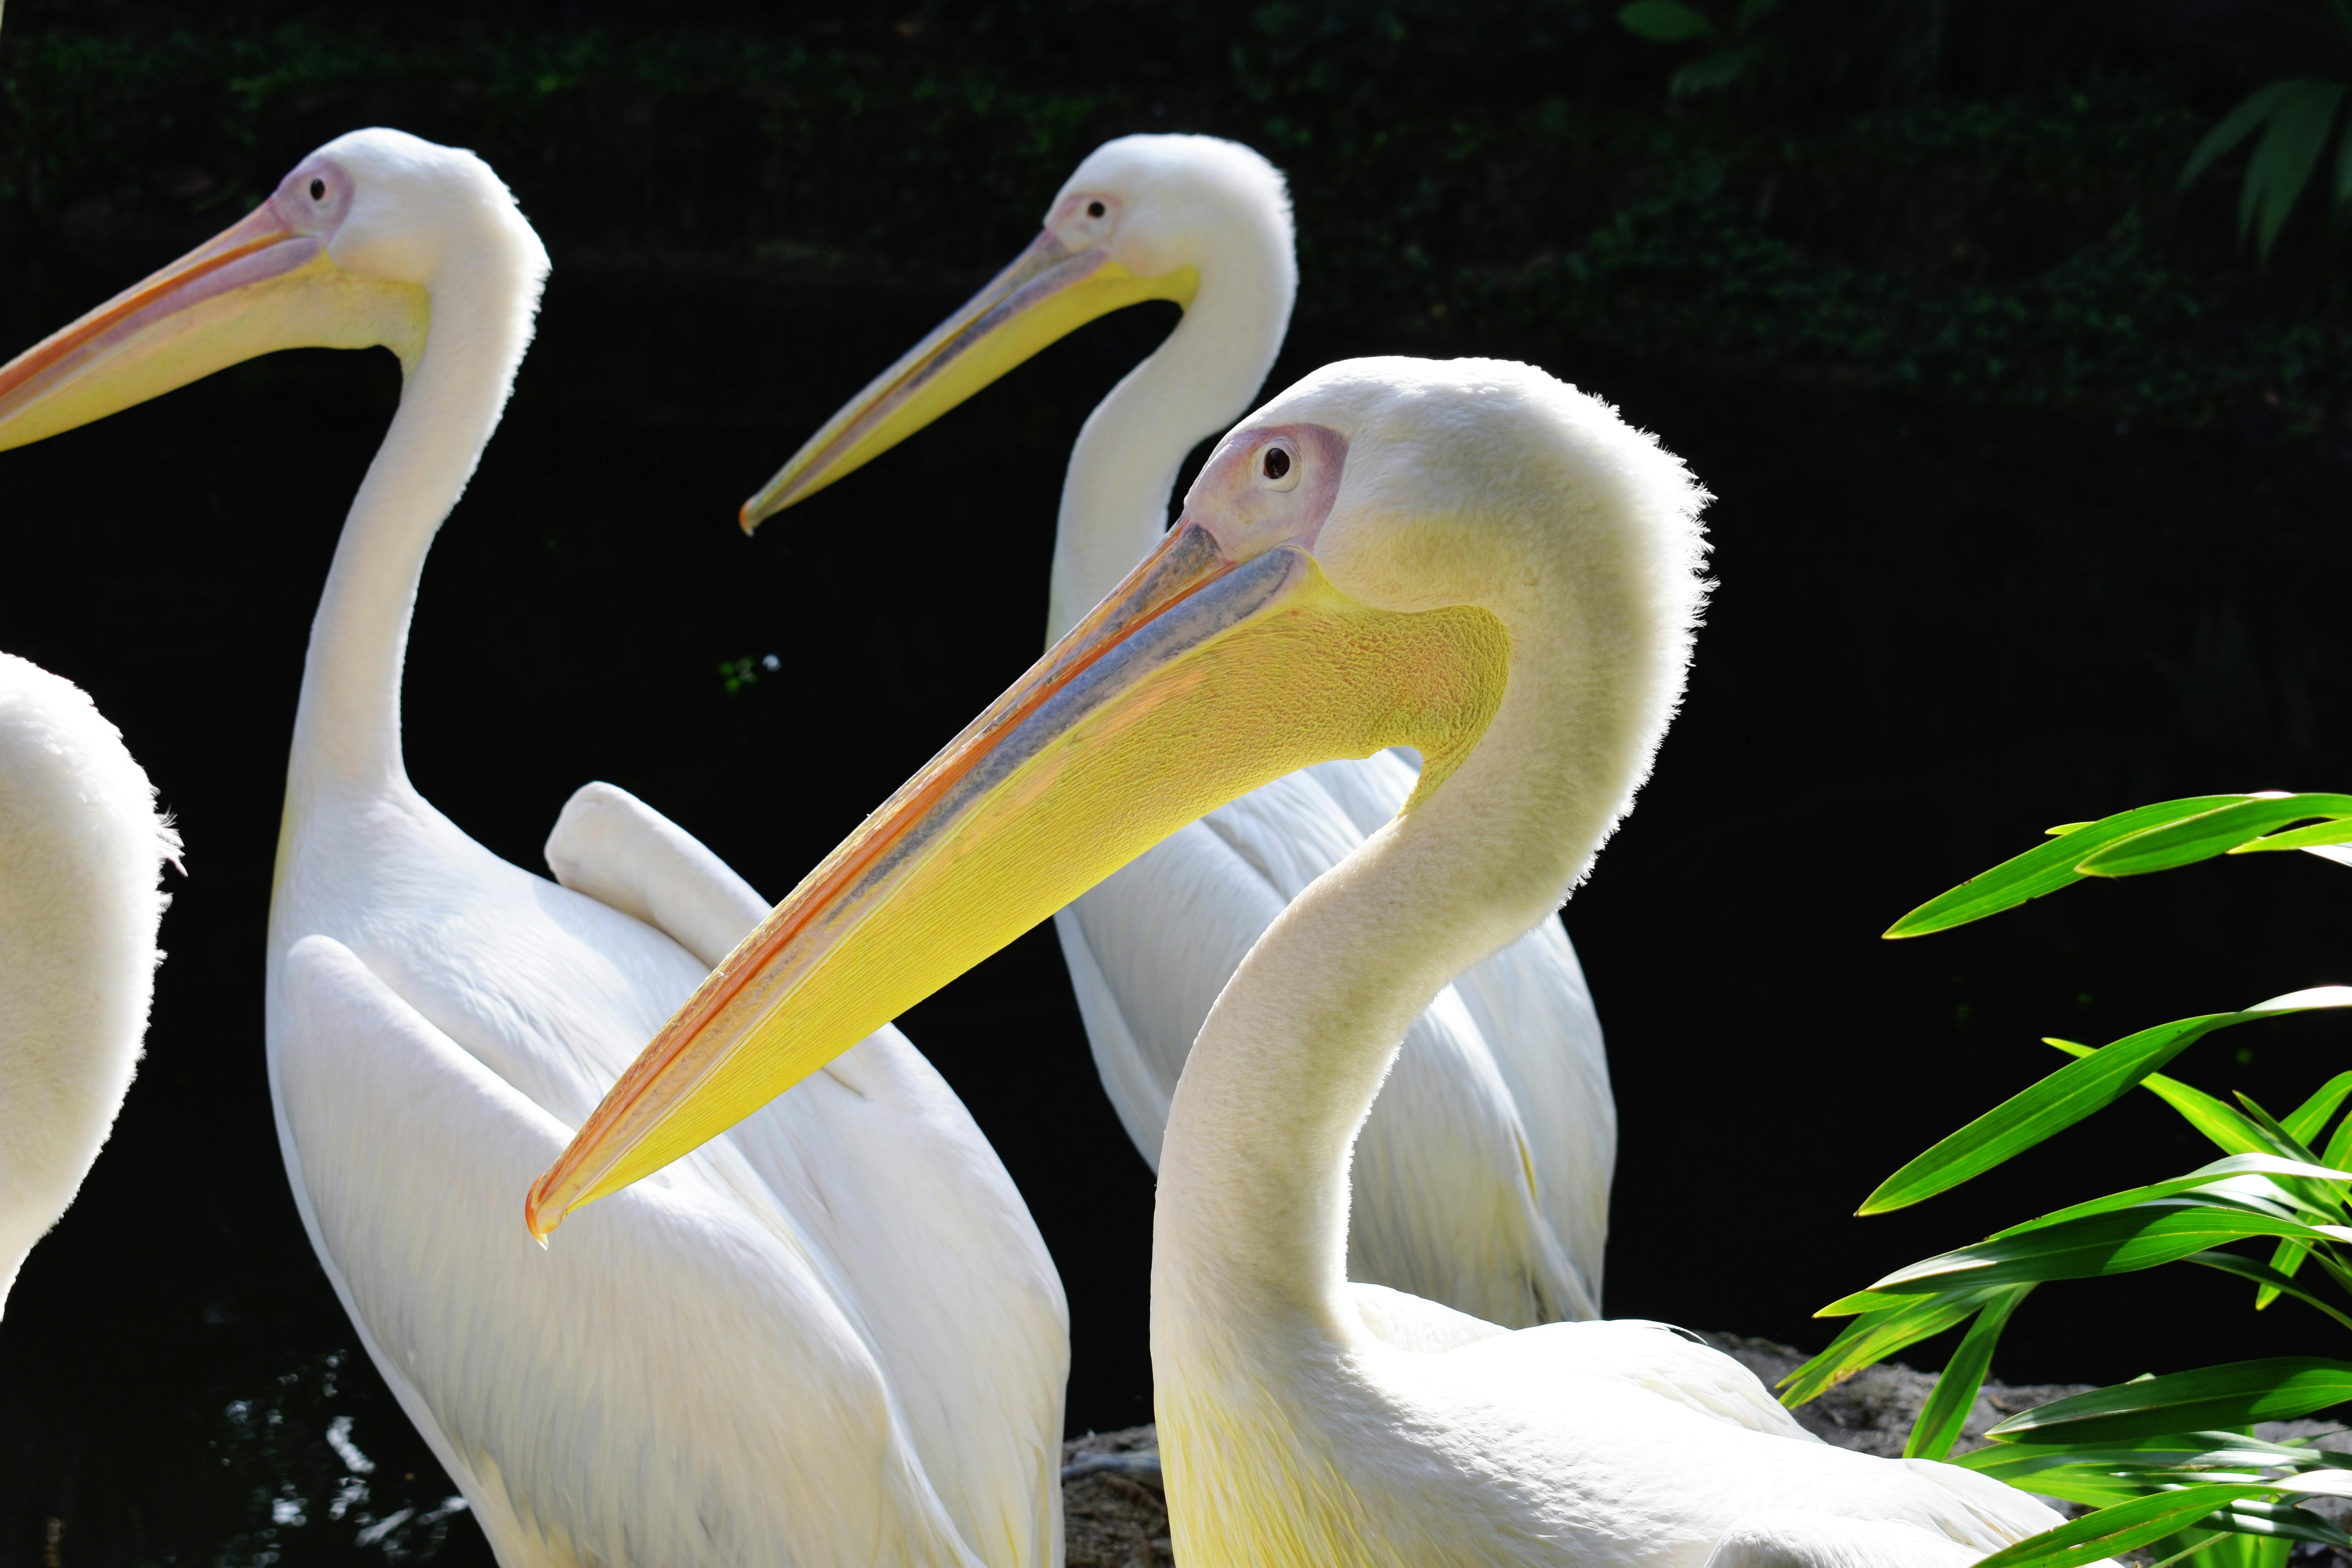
point(81, 852)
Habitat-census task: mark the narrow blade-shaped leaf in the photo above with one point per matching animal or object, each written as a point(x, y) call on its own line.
point(2238, 1393)
point(1874, 1336)
point(2236, 126)
point(2045, 867)
point(1946, 1409)
point(1665, 21)
point(2047, 1107)
point(2281, 165)
point(2220, 1180)
point(2114, 1530)
point(2212, 832)
point(2121, 1243)
point(2318, 836)
point(2277, 1281)
point(2306, 1121)
point(2090, 1083)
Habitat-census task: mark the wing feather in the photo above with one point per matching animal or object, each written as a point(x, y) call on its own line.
point(923, 1237)
point(679, 1372)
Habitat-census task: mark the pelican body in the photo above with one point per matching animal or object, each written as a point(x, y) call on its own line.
point(1482, 1179)
point(82, 851)
point(833, 1337)
point(1480, 563)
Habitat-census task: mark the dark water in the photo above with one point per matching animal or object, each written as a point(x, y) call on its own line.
point(1936, 633)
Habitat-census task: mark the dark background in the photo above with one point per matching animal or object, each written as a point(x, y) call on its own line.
point(2034, 490)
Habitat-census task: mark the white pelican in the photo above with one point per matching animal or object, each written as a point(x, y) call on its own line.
point(1482, 1179)
point(836, 1340)
point(81, 851)
point(1473, 560)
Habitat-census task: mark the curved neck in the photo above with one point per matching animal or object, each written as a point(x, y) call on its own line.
point(347, 724)
point(1123, 469)
point(1252, 1220)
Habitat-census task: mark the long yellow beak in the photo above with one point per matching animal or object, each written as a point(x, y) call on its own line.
point(1048, 292)
point(257, 287)
point(1199, 678)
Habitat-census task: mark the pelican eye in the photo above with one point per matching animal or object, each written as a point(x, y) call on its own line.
point(1277, 462)
point(317, 190)
point(1096, 209)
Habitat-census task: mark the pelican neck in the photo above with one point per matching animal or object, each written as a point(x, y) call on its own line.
point(1252, 1222)
point(1204, 376)
point(347, 722)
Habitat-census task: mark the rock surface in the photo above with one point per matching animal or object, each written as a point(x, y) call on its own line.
point(1115, 1521)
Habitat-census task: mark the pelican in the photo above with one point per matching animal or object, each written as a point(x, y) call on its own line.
point(1482, 1179)
point(1473, 560)
point(832, 1337)
point(81, 852)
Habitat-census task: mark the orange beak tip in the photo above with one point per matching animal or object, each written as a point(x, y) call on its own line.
point(745, 520)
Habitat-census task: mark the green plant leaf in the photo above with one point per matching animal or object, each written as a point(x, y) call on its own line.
point(2099, 1475)
point(2114, 1530)
point(2212, 832)
point(2101, 1245)
point(1665, 21)
point(2318, 836)
point(2202, 1181)
point(1946, 1409)
point(2306, 1121)
point(2047, 1107)
point(2281, 165)
point(2045, 867)
point(2223, 1123)
point(1874, 1336)
point(2056, 1102)
point(2272, 1280)
point(1715, 72)
point(2239, 1393)
point(2344, 173)
point(2236, 126)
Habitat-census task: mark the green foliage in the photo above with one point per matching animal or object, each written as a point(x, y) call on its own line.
point(2162, 1459)
point(1740, 51)
point(2299, 121)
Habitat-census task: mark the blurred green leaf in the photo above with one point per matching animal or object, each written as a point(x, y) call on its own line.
point(2208, 834)
point(1665, 21)
point(1940, 1419)
point(2236, 126)
point(2119, 1529)
point(2240, 1394)
point(2045, 867)
point(2281, 165)
point(1715, 72)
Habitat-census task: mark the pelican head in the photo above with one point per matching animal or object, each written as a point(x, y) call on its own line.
point(1144, 217)
point(1450, 556)
point(346, 253)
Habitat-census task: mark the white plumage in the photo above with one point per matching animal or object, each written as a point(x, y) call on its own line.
point(1473, 559)
point(1483, 1178)
point(833, 1337)
point(81, 852)
point(1304, 1420)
